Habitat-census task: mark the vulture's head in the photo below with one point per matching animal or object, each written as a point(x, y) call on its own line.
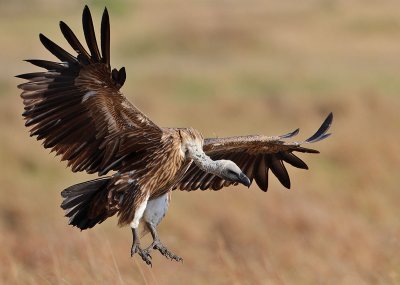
point(231, 172)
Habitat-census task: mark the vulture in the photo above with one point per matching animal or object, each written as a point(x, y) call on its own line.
point(75, 107)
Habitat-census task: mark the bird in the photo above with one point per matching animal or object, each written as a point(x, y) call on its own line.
point(76, 108)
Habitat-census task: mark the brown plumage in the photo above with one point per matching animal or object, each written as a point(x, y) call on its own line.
point(76, 108)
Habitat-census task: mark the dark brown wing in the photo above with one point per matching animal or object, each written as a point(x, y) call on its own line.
point(76, 108)
point(255, 155)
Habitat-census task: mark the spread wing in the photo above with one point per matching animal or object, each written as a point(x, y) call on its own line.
point(255, 155)
point(76, 108)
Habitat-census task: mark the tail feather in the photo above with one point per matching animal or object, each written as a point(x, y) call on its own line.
point(85, 203)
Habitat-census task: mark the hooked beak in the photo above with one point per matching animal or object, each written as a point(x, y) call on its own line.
point(244, 180)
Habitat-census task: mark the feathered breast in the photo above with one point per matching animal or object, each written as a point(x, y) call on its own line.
point(168, 163)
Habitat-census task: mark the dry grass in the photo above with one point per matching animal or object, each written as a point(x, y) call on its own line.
point(224, 67)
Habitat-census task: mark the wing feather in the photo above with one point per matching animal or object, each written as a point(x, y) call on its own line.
point(260, 173)
point(90, 35)
point(292, 160)
point(105, 37)
point(56, 50)
point(74, 42)
point(49, 65)
point(279, 170)
point(248, 167)
point(218, 183)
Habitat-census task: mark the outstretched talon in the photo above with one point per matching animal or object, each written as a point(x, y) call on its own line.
point(159, 246)
point(164, 251)
point(143, 253)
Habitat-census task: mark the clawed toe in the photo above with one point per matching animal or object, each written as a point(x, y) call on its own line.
point(156, 245)
point(165, 252)
point(143, 253)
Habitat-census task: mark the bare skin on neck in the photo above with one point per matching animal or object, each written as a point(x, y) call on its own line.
point(225, 169)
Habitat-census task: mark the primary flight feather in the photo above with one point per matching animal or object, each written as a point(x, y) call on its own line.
point(76, 108)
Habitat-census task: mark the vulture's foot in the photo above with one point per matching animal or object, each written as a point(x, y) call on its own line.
point(164, 251)
point(143, 253)
point(159, 246)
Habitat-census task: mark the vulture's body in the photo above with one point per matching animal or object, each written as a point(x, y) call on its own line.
point(77, 109)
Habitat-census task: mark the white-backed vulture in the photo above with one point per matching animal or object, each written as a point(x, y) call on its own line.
point(76, 108)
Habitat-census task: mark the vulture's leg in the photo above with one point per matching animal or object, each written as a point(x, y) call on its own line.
point(159, 246)
point(144, 254)
point(154, 213)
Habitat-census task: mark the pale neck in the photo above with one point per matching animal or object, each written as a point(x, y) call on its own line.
point(203, 161)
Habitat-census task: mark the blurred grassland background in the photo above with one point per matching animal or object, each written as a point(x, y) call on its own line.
point(224, 67)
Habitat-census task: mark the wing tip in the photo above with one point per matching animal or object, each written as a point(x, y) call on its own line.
point(105, 12)
point(291, 134)
point(42, 37)
point(20, 76)
point(86, 14)
point(321, 134)
point(105, 37)
point(90, 34)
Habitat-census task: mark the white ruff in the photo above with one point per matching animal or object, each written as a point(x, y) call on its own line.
point(156, 209)
point(139, 213)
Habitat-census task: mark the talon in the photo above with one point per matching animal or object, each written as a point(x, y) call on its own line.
point(159, 246)
point(145, 255)
point(177, 258)
point(134, 249)
point(165, 252)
